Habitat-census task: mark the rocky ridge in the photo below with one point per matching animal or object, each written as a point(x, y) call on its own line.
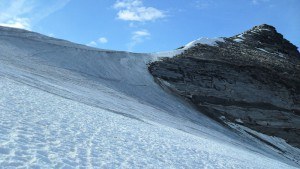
point(251, 79)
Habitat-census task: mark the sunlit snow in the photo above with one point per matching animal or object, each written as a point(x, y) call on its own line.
point(65, 105)
point(206, 41)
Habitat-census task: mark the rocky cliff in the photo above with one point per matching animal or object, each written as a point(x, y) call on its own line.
point(251, 79)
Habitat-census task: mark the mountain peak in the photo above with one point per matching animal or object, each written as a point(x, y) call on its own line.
point(266, 37)
point(264, 31)
point(265, 27)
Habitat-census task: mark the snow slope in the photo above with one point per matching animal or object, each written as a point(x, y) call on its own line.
point(206, 41)
point(65, 105)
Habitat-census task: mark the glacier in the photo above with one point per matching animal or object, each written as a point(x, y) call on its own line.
point(65, 105)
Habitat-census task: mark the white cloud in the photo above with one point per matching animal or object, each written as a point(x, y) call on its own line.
point(138, 37)
point(128, 3)
point(92, 43)
point(102, 40)
point(24, 13)
point(22, 23)
point(140, 33)
point(95, 43)
point(134, 10)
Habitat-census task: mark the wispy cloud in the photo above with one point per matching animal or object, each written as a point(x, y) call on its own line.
point(138, 37)
point(202, 4)
point(102, 40)
point(24, 13)
point(95, 43)
point(134, 10)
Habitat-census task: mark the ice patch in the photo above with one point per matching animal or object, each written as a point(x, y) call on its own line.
point(238, 40)
point(261, 49)
point(277, 54)
point(241, 36)
point(239, 120)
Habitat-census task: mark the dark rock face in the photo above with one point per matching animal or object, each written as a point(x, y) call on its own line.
point(252, 79)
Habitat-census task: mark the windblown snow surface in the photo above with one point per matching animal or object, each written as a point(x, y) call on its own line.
point(64, 105)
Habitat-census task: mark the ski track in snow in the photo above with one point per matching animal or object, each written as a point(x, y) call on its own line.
point(69, 106)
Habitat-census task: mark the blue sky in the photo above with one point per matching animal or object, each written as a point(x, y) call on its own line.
point(149, 25)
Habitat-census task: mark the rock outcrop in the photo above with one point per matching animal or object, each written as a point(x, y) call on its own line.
point(252, 79)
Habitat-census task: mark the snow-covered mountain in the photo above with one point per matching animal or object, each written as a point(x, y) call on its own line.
point(64, 105)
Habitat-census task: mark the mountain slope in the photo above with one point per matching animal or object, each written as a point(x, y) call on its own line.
point(68, 105)
point(250, 80)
